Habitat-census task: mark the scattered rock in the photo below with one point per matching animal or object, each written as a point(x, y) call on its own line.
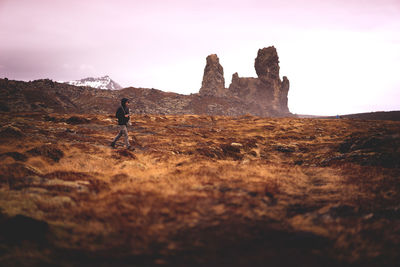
point(236, 144)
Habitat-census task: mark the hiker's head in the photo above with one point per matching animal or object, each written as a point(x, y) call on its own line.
point(124, 101)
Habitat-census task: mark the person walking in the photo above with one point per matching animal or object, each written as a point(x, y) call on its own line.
point(123, 120)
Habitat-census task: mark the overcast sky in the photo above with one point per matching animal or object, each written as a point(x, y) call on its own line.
point(341, 56)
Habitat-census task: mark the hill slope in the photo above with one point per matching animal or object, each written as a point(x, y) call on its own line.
point(49, 96)
point(379, 115)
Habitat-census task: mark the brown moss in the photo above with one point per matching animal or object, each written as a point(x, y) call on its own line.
point(238, 191)
point(11, 132)
point(124, 154)
point(51, 152)
point(68, 175)
point(15, 155)
point(77, 120)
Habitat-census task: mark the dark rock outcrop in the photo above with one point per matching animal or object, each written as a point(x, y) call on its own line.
point(264, 96)
point(283, 98)
point(213, 80)
point(267, 64)
point(267, 93)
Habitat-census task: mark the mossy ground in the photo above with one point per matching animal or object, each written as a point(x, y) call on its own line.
point(199, 190)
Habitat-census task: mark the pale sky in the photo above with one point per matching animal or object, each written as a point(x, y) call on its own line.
point(341, 56)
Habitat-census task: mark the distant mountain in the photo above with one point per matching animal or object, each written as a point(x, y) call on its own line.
point(104, 82)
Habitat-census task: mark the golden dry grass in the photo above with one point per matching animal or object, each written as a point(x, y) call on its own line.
point(199, 190)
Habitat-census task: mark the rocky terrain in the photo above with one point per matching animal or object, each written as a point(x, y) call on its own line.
point(262, 96)
point(198, 191)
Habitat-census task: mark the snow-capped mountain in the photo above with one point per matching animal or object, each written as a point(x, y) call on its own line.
point(104, 82)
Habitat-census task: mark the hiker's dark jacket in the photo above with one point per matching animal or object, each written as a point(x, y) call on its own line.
point(122, 120)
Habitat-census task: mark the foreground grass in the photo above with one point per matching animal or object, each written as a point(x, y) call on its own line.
point(199, 190)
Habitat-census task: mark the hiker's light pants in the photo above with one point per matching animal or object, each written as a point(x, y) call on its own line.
point(122, 131)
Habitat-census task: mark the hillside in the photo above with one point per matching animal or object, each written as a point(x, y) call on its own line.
point(198, 191)
point(380, 115)
point(49, 96)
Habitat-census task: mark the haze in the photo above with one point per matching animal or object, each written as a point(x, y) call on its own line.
point(340, 56)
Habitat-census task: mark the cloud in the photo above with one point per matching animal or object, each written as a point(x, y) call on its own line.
point(328, 49)
point(86, 67)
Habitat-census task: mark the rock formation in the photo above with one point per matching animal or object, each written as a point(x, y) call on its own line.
point(213, 80)
point(267, 64)
point(264, 96)
point(267, 69)
point(283, 98)
point(267, 92)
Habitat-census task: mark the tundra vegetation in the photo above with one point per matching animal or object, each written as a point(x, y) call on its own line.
point(198, 191)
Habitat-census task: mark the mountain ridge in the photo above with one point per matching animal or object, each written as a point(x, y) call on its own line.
point(104, 82)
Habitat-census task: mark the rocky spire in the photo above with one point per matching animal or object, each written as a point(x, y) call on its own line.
point(213, 80)
point(267, 69)
point(267, 63)
point(283, 101)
